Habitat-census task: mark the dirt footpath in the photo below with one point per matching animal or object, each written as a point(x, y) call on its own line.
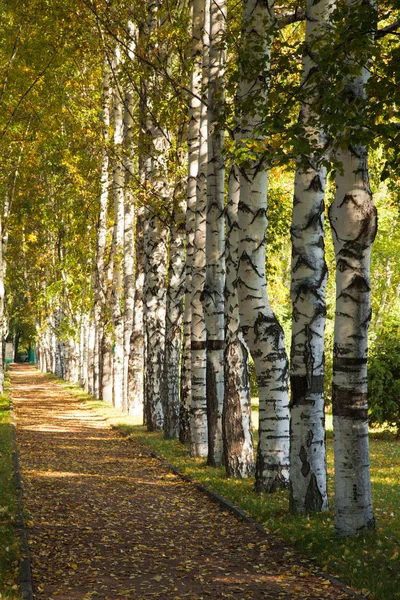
point(107, 521)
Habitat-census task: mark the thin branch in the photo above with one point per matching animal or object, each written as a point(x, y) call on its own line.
point(24, 95)
point(380, 33)
point(284, 19)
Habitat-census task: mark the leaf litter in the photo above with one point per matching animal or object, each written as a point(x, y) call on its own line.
point(109, 522)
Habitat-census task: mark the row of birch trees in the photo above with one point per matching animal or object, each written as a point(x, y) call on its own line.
point(155, 298)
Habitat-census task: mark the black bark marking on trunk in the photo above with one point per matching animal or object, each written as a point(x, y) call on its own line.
point(302, 386)
point(315, 185)
point(212, 413)
point(184, 425)
point(309, 439)
point(301, 262)
point(355, 493)
point(313, 500)
point(202, 345)
point(359, 283)
point(266, 327)
point(305, 465)
point(234, 436)
point(350, 404)
point(277, 483)
point(215, 344)
point(349, 365)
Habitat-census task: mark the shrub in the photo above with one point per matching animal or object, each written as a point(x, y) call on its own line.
point(384, 378)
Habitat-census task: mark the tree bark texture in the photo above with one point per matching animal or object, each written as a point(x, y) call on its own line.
point(100, 294)
point(129, 246)
point(236, 416)
point(156, 250)
point(106, 374)
point(213, 295)
point(174, 315)
point(353, 221)
point(198, 410)
point(136, 356)
point(262, 332)
point(308, 490)
point(193, 167)
point(118, 239)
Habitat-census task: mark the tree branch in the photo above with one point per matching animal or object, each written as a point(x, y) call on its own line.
point(386, 30)
point(286, 18)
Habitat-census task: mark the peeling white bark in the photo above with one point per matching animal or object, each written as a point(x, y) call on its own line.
point(236, 418)
point(136, 358)
point(262, 332)
point(156, 252)
point(128, 164)
point(193, 167)
point(100, 293)
point(353, 220)
point(174, 315)
point(118, 241)
point(198, 410)
point(308, 490)
point(213, 295)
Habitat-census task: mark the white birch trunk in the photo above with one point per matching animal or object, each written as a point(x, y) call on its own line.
point(91, 339)
point(118, 243)
point(236, 417)
point(308, 490)
point(198, 410)
point(83, 371)
point(353, 220)
point(193, 167)
point(262, 332)
point(106, 375)
point(213, 296)
point(129, 281)
point(174, 314)
point(101, 241)
point(136, 358)
point(156, 251)
point(59, 355)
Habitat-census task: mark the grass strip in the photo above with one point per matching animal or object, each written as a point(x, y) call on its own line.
point(9, 538)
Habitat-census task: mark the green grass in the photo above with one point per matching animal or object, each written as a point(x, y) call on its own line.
point(369, 564)
point(9, 544)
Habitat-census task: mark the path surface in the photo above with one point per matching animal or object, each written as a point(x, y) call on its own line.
point(109, 522)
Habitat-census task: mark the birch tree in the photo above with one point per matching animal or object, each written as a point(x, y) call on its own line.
point(174, 312)
point(353, 220)
point(213, 294)
point(100, 292)
point(128, 264)
point(236, 416)
point(198, 410)
point(136, 356)
point(262, 332)
point(156, 247)
point(197, 7)
point(309, 276)
point(137, 347)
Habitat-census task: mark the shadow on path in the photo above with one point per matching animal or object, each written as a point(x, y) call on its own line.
point(109, 522)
